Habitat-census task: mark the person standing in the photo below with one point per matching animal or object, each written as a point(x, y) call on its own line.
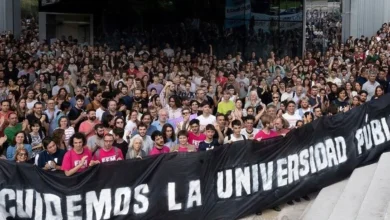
point(79, 158)
point(108, 152)
point(159, 147)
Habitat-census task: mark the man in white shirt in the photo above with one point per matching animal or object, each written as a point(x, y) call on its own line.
point(236, 136)
point(289, 94)
point(206, 118)
point(291, 115)
point(333, 78)
point(249, 132)
point(370, 85)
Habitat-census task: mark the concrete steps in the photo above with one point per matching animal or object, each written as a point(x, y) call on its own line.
point(325, 202)
point(376, 203)
point(365, 195)
point(288, 212)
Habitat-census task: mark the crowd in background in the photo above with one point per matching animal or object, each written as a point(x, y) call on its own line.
point(67, 107)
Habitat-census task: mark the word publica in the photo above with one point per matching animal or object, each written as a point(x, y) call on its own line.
point(287, 170)
point(20, 204)
point(374, 133)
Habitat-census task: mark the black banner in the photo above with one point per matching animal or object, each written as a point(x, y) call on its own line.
point(227, 183)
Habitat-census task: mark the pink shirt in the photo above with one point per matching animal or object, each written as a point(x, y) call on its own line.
point(86, 126)
point(156, 151)
point(183, 149)
point(72, 159)
point(195, 140)
point(263, 135)
point(107, 156)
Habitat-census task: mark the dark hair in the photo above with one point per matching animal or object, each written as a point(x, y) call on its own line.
point(155, 134)
point(64, 105)
point(363, 91)
point(121, 118)
point(141, 124)
point(106, 120)
point(182, 133)
point(164, 132)
point(6, 100)
point(249, 117)
point(104, 103)
point(19, 132)
point(177, 100)
point(146, 114)
point(210, 127)
point(118, 132)
point(46, 141)
point(37, 103)
point(35, 122)
point(79, 97)
point(194, 121)
point(59, 120)
point(236, 122)
point(77, 135)
point(97, 126)
point(220, 115)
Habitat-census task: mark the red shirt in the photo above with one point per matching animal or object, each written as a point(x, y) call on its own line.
point(106, 156)
point(182, 149)
point(262, 135)
point(222, 80)
point(72, 159)
point(132, 72)
point(156, 151)
point(195, 139)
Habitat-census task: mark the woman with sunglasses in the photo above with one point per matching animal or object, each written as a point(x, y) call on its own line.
point(185, 123)
point(21, 155)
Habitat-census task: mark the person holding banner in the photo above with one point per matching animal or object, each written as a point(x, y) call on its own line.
point(183, 145)
point(267, 131)
point(108, 152)
point(51, 158)
point(79, 158)
point(159, 147)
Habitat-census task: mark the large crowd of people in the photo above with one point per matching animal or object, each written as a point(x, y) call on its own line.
point(67, 107)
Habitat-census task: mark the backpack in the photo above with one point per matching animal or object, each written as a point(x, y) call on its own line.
point(97, 152)
point(230, 137)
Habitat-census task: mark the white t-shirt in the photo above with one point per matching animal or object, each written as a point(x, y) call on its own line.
point(292, 119)
point(251, 135)
point(232, 139)
point(99, 114)
point(30, 105)
point(203, 121)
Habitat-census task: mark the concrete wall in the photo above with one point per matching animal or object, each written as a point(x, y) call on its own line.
point(10, 16)
point(364, 17)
